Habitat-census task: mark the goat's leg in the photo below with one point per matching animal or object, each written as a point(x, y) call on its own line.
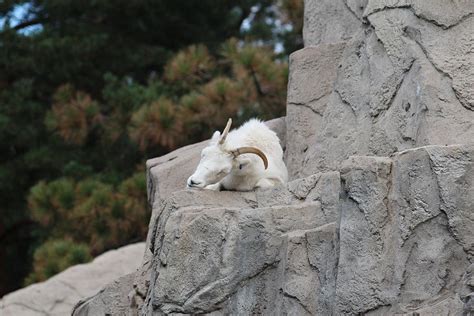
point(214, 187)
point(265, 184)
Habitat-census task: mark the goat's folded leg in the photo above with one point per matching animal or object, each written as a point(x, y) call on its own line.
point(214, 187)
point(265, 184)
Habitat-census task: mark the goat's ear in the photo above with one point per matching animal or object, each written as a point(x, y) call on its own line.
point(215, 137)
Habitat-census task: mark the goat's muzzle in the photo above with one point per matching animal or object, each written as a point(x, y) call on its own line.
point(192, 184)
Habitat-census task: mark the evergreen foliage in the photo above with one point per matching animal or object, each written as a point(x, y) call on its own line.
point(91, 89)
point(54, 256)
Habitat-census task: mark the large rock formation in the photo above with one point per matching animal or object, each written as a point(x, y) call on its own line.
point(378, 217)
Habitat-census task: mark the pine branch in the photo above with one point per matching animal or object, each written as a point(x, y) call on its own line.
point(256, 82)
point(25, 24)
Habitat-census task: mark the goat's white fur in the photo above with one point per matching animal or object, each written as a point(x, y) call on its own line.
point(219, 169)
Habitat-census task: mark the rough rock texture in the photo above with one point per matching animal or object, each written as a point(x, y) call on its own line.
point(378, 218)
point(405, 242)
point(313, 71)
point(233, 250)
point(397, 239)
point(113, 299)
point(405, 80)
point(384, 236)
point(329, 21)
point(59, 294)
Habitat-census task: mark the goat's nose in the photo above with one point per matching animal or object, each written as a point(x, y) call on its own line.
point(193, 183)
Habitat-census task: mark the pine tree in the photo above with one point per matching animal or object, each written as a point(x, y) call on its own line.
point(91, 89)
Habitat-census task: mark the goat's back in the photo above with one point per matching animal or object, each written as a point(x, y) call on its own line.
point(257, 134)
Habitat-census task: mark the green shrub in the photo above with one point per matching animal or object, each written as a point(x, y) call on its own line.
point(55, 256)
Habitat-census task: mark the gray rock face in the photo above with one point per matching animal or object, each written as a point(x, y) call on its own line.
point(384, 236)
point(313, 71)
point(234, 251)
point(405, 80)
point(390, 243)
point(399, 247)
point(331, 21)
point(378, 218)
point(113, 299)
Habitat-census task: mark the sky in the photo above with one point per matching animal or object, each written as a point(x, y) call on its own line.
point(246, 24)
point(18, 15)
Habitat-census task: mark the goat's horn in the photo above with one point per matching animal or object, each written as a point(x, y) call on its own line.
point(250, 150)
point(225, 132)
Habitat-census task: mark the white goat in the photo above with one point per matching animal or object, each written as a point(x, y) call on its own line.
point(247, 158)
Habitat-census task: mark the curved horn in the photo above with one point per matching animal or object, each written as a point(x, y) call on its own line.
point(250, 150)
point(225, 132)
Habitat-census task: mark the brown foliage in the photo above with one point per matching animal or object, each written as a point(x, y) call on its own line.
point(190, 66)
point(92, 212)
point(72, 115)
point(156, 124)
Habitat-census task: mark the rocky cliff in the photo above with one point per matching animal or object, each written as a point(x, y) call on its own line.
point(378, 218)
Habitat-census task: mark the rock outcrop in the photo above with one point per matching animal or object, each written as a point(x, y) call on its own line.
point(59, 294)
point(378, 218)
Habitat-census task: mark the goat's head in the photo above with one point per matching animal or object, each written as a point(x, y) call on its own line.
point(217, 160)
